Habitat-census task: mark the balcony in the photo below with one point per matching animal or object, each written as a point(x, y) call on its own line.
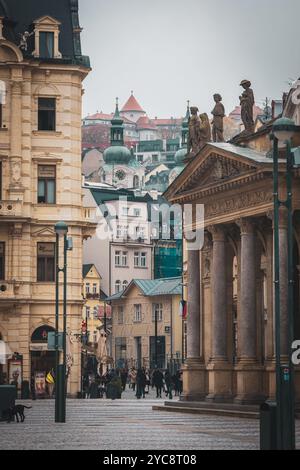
point(92, 296)
point(131, 241)
point(10, 209)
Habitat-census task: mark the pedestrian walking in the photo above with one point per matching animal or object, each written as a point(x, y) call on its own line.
point(132, 376)
point(168, 383)
point(124, 376)
point(140, 384)
point(158, 382)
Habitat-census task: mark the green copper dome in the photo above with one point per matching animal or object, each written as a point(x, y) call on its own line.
point(117, 154)
point(180, 155)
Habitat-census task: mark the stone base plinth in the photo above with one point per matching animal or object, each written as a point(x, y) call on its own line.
point(220, 382)
point(194, 380)
point(249, 383)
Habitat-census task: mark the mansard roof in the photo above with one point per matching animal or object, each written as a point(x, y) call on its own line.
point(23, 14)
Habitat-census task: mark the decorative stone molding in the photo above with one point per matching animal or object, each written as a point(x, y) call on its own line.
point(246, 225)
point(242, 201)
point(47, 24)
point(218, 233)
point(16, 230)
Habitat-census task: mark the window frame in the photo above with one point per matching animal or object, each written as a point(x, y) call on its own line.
point(45, 109)
point(137, 313)
point(2, 261)
point(47, 277)
point(46, 180)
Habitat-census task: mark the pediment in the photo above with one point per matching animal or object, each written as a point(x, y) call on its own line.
point(45, 232)
point(214, 167)
point(47, 20)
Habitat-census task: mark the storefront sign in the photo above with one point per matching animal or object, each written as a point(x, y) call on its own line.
point(40, 383)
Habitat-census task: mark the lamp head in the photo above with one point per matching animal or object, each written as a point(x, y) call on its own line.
point(61, 229)
point(284, 129)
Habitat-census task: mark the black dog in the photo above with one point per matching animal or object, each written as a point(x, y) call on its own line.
point(16, 411)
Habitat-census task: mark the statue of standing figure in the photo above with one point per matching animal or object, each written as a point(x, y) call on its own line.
point(247, 103)
point(199, 131)
point(218, 121)
point(194, 132)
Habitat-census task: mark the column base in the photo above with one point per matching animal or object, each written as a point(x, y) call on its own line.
point(220, 382)
point(194, 380)
point(249, 383)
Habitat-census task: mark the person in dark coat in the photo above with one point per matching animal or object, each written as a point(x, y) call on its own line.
point(158, 382)
point(140, 384)
point(168, 382)
point(124, 375)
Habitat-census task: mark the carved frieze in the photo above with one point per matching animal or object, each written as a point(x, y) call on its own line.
point(241, 201)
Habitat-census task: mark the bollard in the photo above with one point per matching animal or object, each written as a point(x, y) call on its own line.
point(268, 437)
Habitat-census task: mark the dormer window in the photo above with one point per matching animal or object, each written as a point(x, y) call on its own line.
point(47, 30)
point(46, 45)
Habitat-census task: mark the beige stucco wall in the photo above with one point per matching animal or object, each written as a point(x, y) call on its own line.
point(28, 304)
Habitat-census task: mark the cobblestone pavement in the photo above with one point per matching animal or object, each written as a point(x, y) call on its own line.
point(126, 425)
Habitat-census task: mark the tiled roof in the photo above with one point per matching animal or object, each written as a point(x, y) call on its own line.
point(153, 287)
point(246, 152)
point(106, 117)
point(144, 123)
point(132, 105)
point(167, 122)
point(86, 269)
point(236, 113)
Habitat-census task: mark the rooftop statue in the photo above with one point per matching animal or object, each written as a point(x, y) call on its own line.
point(247, 103)
point(218, 121)
point(194, 140)
point(205, 130)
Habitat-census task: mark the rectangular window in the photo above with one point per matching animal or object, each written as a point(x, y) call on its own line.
point(143, 259)
point(87, 288)
point(46, 262)
point(2, 261)
point(136, 212)
point(47, 114)
point(88, 312)
point(46, 45)
point(137, 313)
point(125, 211)
point(46, 184)
point(157, 310)
point(96, 313)
point(119, 231)
point(95, 289)
point(136, 259)
point(118, 258)
point(124, 258)
point(121, 350)
point(120, 315)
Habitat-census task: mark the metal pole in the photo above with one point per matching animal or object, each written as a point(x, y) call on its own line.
point(156, 349)
point(277, 293)
point(289, 185)
point(64, 388)
point(56, 329)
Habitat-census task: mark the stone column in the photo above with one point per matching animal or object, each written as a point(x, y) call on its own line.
point(220, 371)
point(249, 372)
point(194, 370)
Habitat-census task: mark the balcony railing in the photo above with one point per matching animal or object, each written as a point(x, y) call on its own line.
point(10, 208)
point(92, 296)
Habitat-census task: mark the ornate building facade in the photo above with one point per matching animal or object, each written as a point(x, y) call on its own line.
point(230, 323)
point(41, 73)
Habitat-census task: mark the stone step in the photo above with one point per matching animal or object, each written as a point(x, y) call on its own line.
point(208, 411)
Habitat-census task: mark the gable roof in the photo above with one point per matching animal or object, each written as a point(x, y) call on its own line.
point(86, 269)
point(152, 287)
point(132, 105)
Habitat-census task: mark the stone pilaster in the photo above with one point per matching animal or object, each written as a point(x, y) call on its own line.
point(194, 370)
point(220, 371)
point(283, 279)
point(249, 372)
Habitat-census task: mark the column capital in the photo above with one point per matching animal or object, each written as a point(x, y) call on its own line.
point(246, 225)
point(218, 233)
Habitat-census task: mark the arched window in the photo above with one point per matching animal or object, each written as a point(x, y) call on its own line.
point(125, 284)
point(118, 287)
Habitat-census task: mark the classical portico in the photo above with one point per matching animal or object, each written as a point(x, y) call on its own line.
point(231, 352)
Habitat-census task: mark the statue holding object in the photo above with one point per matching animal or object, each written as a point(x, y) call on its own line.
point(218, 121)
point(247, 103)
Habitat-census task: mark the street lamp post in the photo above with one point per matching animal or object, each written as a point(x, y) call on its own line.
point(61, 230)
point(283, 131)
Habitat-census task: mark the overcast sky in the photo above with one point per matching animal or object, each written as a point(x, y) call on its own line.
point(169, 51)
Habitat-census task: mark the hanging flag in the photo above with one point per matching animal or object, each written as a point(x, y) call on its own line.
point(183, 309)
